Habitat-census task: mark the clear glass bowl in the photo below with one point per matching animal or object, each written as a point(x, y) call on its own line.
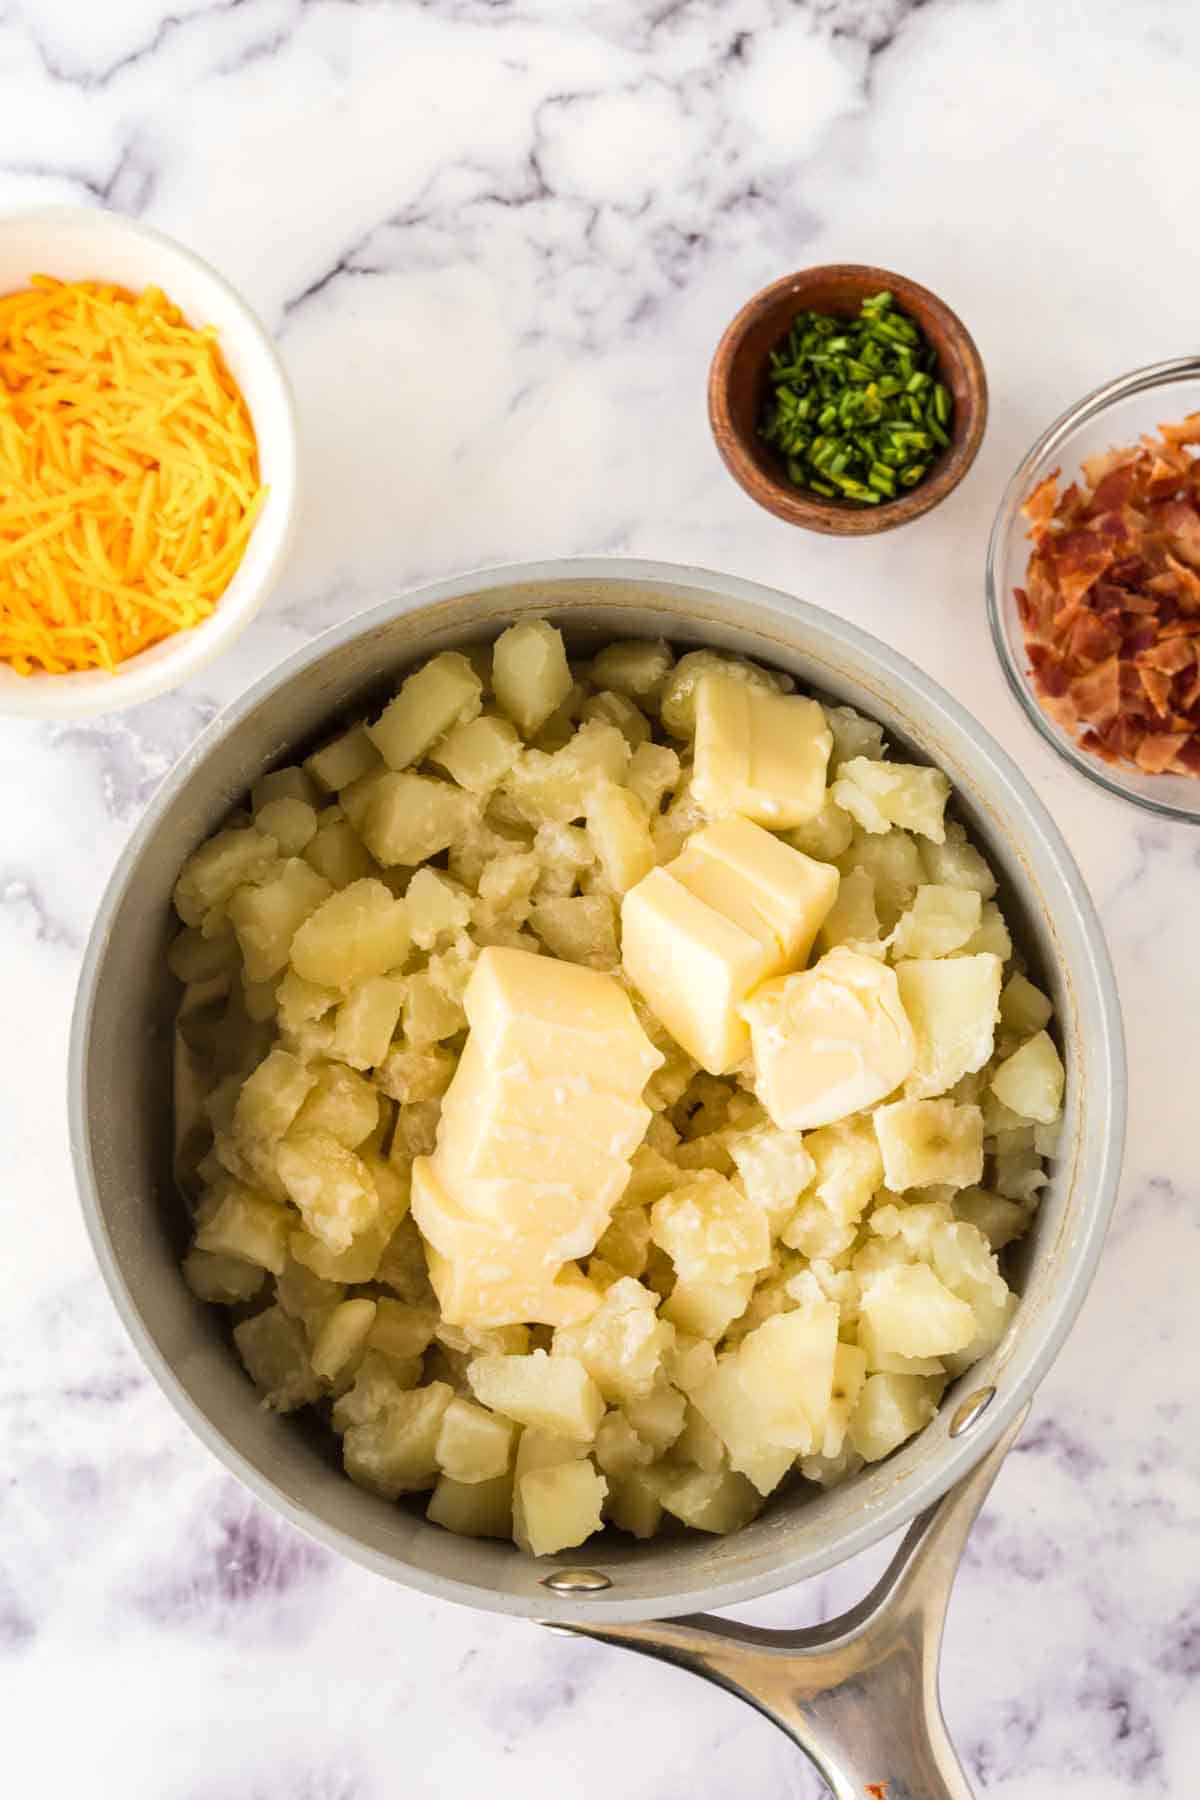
point(1112, 416)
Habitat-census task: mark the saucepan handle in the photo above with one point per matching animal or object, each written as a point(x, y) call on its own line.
point(860, 1693)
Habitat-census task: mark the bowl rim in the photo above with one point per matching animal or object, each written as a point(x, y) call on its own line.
point(1095, 973)
point(1020, 485)
point(87, 693)
point(812, 512)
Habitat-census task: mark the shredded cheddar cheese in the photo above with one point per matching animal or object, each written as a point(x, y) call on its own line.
point(128, 474)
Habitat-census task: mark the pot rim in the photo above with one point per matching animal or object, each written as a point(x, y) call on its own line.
point(1041, 836)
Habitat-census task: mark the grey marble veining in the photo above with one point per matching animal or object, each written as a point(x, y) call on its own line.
point(497, 243)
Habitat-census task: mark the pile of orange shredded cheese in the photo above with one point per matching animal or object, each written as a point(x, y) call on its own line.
point(128, 474)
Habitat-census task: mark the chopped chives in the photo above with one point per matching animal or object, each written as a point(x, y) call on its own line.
point(857, 407)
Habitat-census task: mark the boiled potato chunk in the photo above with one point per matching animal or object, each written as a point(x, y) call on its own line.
point(479, 753)
point(1031, 1080)
point(291, 822)
point(560, 1506)
point(248, 1227)
point(402, 1329)
point(719, 1501)
point(474, 1444)
point(952, 1004)
point(341, 1103)
point(849, 1376)
point(653, 771)
point(786, 1366)
point(212, 873)
point(360, 931)
point(267, 917)
point(706, 1309)
point(275, 1356)
point(879, 795)
point(622, 1344)
point(634, 1502)
point(473, 1509)
point(732, 1411)
point(366, 1019)
point(775, 1167)
point(927, 1143)
point(909, 1312)
point(890, 1408)
point(437, 907)
point(530, 674)
point(344, 760)
point(438, 695)
point(635, 667)
point(331, 1186)
point(939, 921)
point(1024, 1009)
point(556, 786)
point(826, 835)
point(619, 829)
point(272, 1096)
point(341, 1338)
point(338, 853)
point(411, 817)
point(551, 1393)
point(396, 1452)
point(710, 1229)
point(957, 863)
point(220, 1279)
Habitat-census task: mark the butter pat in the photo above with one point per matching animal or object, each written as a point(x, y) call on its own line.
point(760, 754)
point(552, 1016)
point(829, 1041)
point(736, 907)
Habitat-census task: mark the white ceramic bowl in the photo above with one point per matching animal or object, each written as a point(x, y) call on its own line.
point(80, 243)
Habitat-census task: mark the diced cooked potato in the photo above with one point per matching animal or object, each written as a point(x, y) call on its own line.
point(267, 917)
point(402, 1330)
point(581, 929)
point(775, 1168)
point(271, 1097)
point(619, 829)
point(474, 1444)
point(848, 1169)
point(291, 783)
point(366, 1019)
point(1001, 1221)
point(634, 1504)
point(560, 1506)
point(853, 735)
point(275, 1357)
point(618, 1450)
point(952, 1005)
point(677, 703)
point(560, 726)
point(653, 771)
point(220, 1279)
point(341, 1338)
point(556, 786)
point(636, 667)
point(1032, 1079)
point(194, 958)
point(619, 710)
point(625, 1244)
point(957, 863)
point(440, 694)
point(719, 1501)
point(909, 1312)
point(849, 1375)
point(338, 853)
point(939, 921)
point(291, 822)
point(878, 795)
point(344, 760)
point(706, 1309)
point(341, 1103)
point(890, 1408)
point(621, 1344)
point(852, 919)
point(247, 1226)
point(551, 1393)
point(893, 861)
point(930, 1142)
point(731, 1410)
point(430, 1013)
point(826, 835)
point(211, 874)
point(396, 1452)
point(530, 674)
point(409, 1074)
point(1024, 1009)
point(331, 1186)
point(362, 930)
point(786, 1366)
point(711, 1230)
point(412, 817)
point(658, 1416)
point(473, 1509)
point(992, 938)
point(437, 907)
point(479, 753)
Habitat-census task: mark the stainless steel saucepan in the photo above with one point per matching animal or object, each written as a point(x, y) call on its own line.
point(860, 1695)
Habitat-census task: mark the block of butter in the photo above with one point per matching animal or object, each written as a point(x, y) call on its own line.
point(699, 934)
point(534, 1139)
point(759, 754)
point(485, 1277)
point(829, 1041)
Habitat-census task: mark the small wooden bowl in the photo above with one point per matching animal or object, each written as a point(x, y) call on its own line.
point(737, 393)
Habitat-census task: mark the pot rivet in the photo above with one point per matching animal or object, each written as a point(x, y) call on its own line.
point(577, 1581)
point(971, 1409)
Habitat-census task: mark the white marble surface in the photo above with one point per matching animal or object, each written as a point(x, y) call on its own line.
point(497, 242)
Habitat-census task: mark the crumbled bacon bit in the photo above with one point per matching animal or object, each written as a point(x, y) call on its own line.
point(1111, 602)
